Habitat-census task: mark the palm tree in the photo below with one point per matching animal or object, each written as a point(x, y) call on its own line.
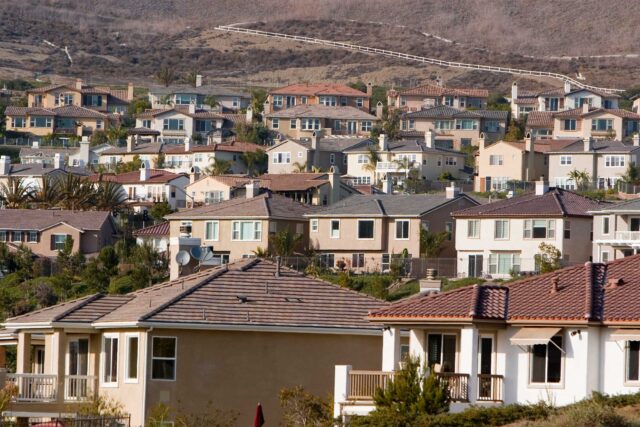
point(109, 196)
point(373, 157)
point(166, 76)
point(48, 195)
point(116, 134)
point(14, 194)
point(581, 178)
point(405, 164)
point(254, 161)
point(299, 167)
point(285, 242)
point(76, 193)
point(211, 101)
point(218, 167)
point(261, 252)
point(192, 78)
point(431, 243)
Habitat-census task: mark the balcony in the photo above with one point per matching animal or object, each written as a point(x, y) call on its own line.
point(621, 238)
point(385, 167)
point(44, 388)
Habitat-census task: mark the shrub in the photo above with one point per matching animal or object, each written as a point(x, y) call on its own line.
point(301, 408)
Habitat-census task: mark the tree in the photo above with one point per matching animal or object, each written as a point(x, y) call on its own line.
point(159, 210)
point(109, 196)
point(390, 125)
point(158, 162)
point(549, 257)
point(256, 133)
point(99, 137)
point(515, 131)
point(632, 175)
point(211, 101)
point(192, 78)
point(115, 134)
point(14, 194)
point(497, 101)
point(218, 167)
point(166, 76)
point(404, 164)
point(47, 195)
point(285, 242)
point(302, 409)
point(373, 157)
point(261, 252)
point(431, 243)
point(255, 161)
point(76, 193)
point(258, 98)
point(299, 167)
point(138, 106)
point(581, 178)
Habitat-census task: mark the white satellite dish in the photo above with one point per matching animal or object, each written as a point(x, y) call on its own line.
point(183, 258)
point(196, 252)
point(207, 255)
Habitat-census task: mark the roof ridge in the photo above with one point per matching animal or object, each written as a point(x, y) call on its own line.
point(89, 299)
point(475, 299)
point(588, 299)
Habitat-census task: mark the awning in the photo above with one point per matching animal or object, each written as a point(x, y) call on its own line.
point(625, 335)
point(533, 336)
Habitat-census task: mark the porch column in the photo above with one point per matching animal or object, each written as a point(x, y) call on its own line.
point(468, 359)
point(340, 388)
point(23, 358)
point(58, 352)
point(390, 348)
point(418, 345)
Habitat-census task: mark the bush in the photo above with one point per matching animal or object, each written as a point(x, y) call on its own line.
point(302, 409)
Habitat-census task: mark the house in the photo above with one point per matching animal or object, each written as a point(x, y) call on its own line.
point(83, 156)
point(317, 152)
point(45, 232)
point(540, 124)
point(240, 327)
point(156, 236)
point(326, 94)
point(148, 153)
point(557, 337)
point(366, 233)
point(302, 120)
point(103, 99)
point(431, 95)
point(501, 239)
point(422, 155)
point(188, 157)
point(595, 123)
point(33, 174)
point(175, 95)
point(604, 161)
point(455, 128)
point(616, 231)
point(503, 162)
point(146, 187)
point(559, 99)
point(234, 229)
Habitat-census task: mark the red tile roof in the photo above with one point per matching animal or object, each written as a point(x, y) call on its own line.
point(540, 119)
point(314, 89)
point(156, 176)
point(161, 229)
point(435, 90)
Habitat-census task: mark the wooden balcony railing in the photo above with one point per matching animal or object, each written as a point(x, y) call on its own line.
point(458, 385)
point(34, 387)
point(363, 384)
point(79, 388)
point(490, 388)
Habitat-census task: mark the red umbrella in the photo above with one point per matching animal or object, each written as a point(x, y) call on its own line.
point(258, 421)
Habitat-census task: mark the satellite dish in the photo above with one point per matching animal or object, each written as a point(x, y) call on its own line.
point(196, 252)
point(207, 255)
point(183, 258)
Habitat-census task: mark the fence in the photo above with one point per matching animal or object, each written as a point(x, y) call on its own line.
point(409, 57)
point(77, 421)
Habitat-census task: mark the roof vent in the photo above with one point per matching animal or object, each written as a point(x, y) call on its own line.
point(614, 283)
point(554, 284)
point(242, 299)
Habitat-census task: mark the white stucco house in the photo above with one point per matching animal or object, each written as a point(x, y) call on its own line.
point(556, 337)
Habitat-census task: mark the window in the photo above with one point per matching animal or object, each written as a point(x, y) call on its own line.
point(566, 183)
point(357, 260)
point(282, 157)
point(131, 367)
point(3, 236)
point(448, 228)
point(448, 101)
point(501, 230)
point(293, 123)
point(173, 124)
point(443, 124)
point(33, 237)
point(203, 125)
point(569, 124)
point(633, 358)
point(539, 229)
point(565, 160)
point(359, 102)
point(303, 99)
point(604, 256)
point(495, 160)
point(310, 124)
point(491, 126)
point(363, 159)
point(329, 101)
point(275, 123)
point(614, 161)
point(332, 158)
point(17, 236)
point(326, 260)
point(402, 229)
point(504, 263)
point(18, 122)
point(211, 230)
point(110, 359)
point(605, 225)
point(473, 229)
point(98, 124)
point(601, 125)
point(412, 124)
point(40, 122)
point(365, 229)
point(467, 124)
point(567, 229)
point(450, 161)
point(146, 124)
point(211, 197)
point(235, 102)
point(277, 100)
point(335, 229)
point(163, 358)
point(314, 225)
point(246, 230)
point(546, 361)
point(366, 126)
point(361, 180)
point(441, 350)
point(343, 101)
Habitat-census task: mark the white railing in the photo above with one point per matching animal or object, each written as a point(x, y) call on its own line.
point(387, 166)
point(34, 387)
point(423, 59)
point(628, 235)
point(79, 388)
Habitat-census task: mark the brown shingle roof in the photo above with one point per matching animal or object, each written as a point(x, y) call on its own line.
point(40, 219)
point(540, 119)
point(199, 114)
point(323, 111)
point(435, 90)
point(314, 89)
point(161, 229)
point(293, 181)
point(157, 176)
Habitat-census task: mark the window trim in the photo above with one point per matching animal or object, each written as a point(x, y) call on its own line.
point(314, 225)
point(216, 236)
point(546, 383)
point(495, 229)
point(475, 235)
point(606, 219)
point(127, 349)
point(629, 382)
point(239, 239)
point(358, 229)
point(103, 359)
point(408, 221)
point(331, 236)
point(174, 358)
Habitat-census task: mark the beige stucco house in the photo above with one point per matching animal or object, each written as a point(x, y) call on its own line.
point(227, 99)
point(431, 95)
point(32, 175)
point(224, 338)
point(616, 231)
point(323, 93)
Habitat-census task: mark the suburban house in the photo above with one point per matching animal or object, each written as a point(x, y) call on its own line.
point(303, 120)
point(616, 231)
point(156, 236)
point(503, 162)
point(33, 174)
point(327, 94)
point(98, 98)
point(188, 157)
point(455, 128)
point(554, 338)
point(366, 233)
point(595, 123)
point(540, 124)
point(242, 327)
point(604, 161)
point(146, 187)
point(422, 155)
point(148, 153)
point(234, 229)
point(176, 95)
point(315, 152)
point(45, 232)
point(559, 99)
point(501, 239)
point(431, 95)
point(83, 156)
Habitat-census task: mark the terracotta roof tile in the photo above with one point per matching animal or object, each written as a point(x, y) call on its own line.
point(315, 89)
point(156, 176)
point(435, 90)
point(540, 119)
point(161, 229)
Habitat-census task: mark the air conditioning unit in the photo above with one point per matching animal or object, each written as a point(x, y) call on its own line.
point(185, 229)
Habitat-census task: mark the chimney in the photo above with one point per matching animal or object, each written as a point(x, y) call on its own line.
point(636, 140)
point(198, 80)
point(587, 143)
point(387, 185)
point(130, 92)
point(194, 174)
point(84, 151)
point(451, 192)
point(249, 115)
point(253, 189)
point(277, 274)
point(384, 146)
point(429, 138)
point(541, 104)
point(5, 165)
point(58, 161)
point(481, 142)
point(585, 108)
point(567, 86)
point(35, 144)
point(315, 146)
point(145, 173)
point(192, 108)
point(266, 107)
point(215, 137)
point(554, 284)
point(79, 84)
point(379, 109)
point(130, 143)
point(529, 146)
point(369, 89)
point(542, 186)
point(514, 91)
point(187, 144)
point(392, 96)
point(334, 183)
